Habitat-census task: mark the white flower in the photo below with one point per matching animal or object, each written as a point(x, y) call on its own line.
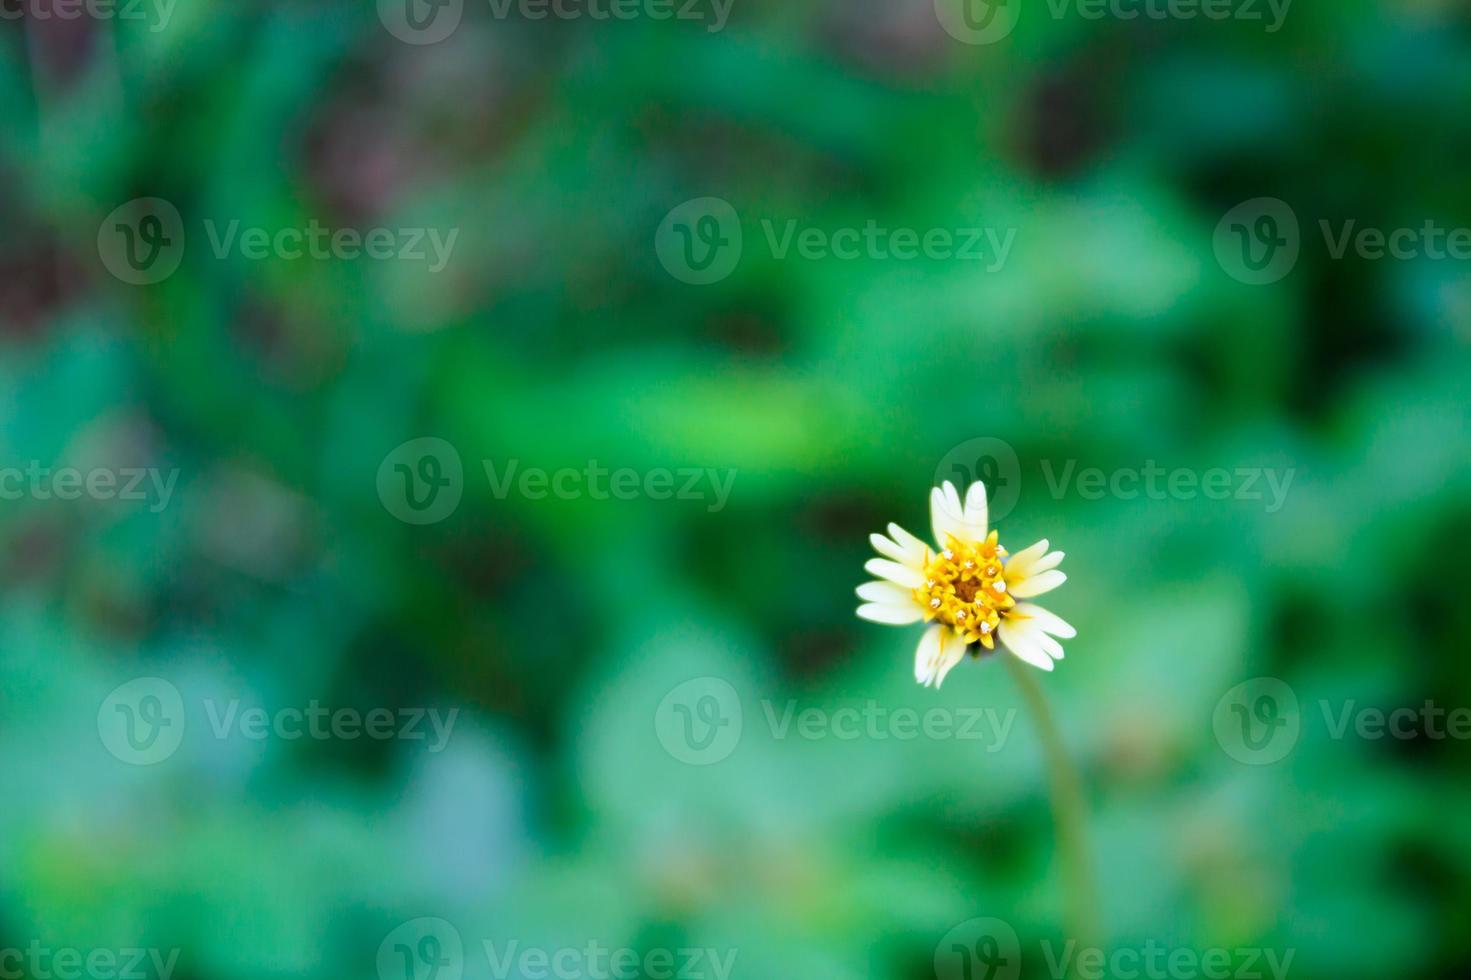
point(969, 591)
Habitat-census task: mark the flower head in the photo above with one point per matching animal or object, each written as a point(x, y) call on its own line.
point(968, 589)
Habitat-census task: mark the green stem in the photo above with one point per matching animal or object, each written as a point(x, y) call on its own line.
point(1068, 810)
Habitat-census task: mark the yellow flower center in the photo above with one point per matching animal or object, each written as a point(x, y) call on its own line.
point(965, 588)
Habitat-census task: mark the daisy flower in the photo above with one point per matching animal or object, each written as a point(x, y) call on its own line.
point(968, 590)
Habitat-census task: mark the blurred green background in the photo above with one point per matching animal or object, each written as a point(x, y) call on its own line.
point(563, 809)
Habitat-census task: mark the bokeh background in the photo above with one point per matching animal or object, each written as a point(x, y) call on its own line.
point(836, 391)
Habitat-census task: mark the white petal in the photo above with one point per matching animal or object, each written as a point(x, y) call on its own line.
point(912, 555)
point(883, 612)
point(1019, 565)
point(926, 653)
point(975, 506)
point(1050, 560)
point(1036, 584)
point(1049, 646)
point(1019, 639)
point(952, 652)
point(887, 548)
point(947, 518)
point(952, 496)
point(886, 592)
point(908, 541)
point(1048, 621)
point(894, 572)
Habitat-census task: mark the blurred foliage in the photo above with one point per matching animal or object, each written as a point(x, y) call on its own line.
point(834, 389)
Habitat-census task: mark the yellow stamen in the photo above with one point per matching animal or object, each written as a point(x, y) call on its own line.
point(965, 588)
